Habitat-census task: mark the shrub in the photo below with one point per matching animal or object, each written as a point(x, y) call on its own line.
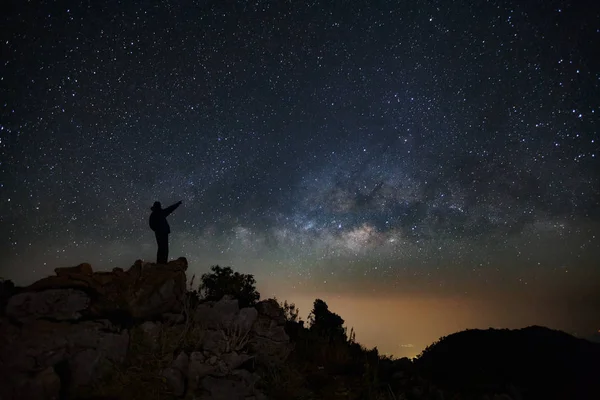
point(223, 281)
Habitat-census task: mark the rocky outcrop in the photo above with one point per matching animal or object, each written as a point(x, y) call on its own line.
point(144, 291)
point(270, 341)
point(230, 338)
point(70, 332)
point(38, 354)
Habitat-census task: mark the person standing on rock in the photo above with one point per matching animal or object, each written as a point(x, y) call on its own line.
point(161, 228)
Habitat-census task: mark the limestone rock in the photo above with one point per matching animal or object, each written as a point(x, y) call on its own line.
point(217, 314)
point(53, 304)
point(175, 380)
point(214, 342)
point(269, 341)
point(81, 269)
point(72, 328)
point(87, 348)
point(234, 388)
point(181, 363)
point(44, 385)
point(173, 318)
point(146, 290)
point(150, 333)
point(271, 309)
point(234, 360)
point(246, 318)
point(198, 368)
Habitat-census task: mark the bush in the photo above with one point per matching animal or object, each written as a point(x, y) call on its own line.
point(223, 281)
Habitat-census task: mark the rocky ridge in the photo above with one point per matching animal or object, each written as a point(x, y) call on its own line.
point(79, 332)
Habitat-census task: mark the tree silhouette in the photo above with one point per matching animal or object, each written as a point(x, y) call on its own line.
point(224, 281)
point(325, 322)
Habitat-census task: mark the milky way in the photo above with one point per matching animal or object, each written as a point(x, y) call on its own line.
point(313, 143)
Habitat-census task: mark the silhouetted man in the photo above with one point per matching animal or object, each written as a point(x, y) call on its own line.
point(161, 228)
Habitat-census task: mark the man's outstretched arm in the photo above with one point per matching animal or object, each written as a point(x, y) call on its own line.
point(171, 208)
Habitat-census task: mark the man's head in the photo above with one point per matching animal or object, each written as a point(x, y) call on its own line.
point(156, 206)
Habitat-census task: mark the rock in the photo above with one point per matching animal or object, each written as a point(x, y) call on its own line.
point(233, 360)
point(47, 383)
point(175, 380)
point(214, 342)
point(246, 318)
point(272, 310)
point(159, 289)
point(53, 304)
point(88, 349)
point(135, 271)
point(198, 369)
point(81, 269)
point(205, 316)
point(197, 356)
point(232, 388)
point(177, 373)
point(257, 396)
point(150, 333)
point(181, 363)
point(227, 308)
point(217, 315)
point(417, 392)
point(44, 385)
point(248, 377)
point(83, 367)
point(173, 319)
point(269, 341)
point(145, 291)
point(73, 328)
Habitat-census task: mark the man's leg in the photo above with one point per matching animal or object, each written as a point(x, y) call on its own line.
point(162, 254)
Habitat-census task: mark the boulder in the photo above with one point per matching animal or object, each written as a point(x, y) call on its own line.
point(272, 310)
point(177, 373)
point(145, 291)
point(86, 350)
point(234, 360)
point(246, 318)
point(235, 387)
point(81, 269)
point(198, 368)
point(269, 341)
point(150, 332)
point(43, 385)
point(217, 314)
point(52, 304)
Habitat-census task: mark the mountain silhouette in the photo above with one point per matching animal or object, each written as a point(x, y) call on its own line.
point(536, 361)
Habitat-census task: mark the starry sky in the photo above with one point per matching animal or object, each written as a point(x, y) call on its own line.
point(423, 166)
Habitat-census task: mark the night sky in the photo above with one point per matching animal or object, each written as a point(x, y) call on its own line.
point(422, 166)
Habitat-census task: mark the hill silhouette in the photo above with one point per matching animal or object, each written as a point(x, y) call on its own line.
point(538, 361)
point(146, 333)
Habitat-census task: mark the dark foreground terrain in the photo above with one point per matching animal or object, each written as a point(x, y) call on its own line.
point(145, 333)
